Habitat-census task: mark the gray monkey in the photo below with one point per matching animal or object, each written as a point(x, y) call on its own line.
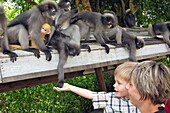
point(128, 40)
point(29, 23)
point(99, 22)
point(3, 36)
point(160, 28)
point(130, 19)
point(66, 39)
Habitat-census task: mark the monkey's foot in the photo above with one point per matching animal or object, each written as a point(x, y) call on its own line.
point(107, 49)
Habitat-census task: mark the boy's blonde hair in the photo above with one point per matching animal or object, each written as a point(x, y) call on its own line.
point(152, 81)
point(123, 70)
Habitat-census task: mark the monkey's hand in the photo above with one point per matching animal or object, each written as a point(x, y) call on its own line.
point(48, 55)
point(60, 84)
point(66, 87)
point(106, 48)
point(13, 56)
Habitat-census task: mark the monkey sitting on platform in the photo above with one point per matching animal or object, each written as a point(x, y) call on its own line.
point(45, 29)
point(3, 36)
point(160, 28)
point(126, 39)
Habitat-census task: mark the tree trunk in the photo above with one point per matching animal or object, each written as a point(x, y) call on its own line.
point(85, 6)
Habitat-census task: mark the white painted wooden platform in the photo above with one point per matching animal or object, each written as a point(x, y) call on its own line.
point(28, 67)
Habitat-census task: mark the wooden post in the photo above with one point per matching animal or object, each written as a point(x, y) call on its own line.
point(100, 79)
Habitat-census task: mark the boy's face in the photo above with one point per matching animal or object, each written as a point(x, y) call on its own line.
point(133, 93)
point(120, 87)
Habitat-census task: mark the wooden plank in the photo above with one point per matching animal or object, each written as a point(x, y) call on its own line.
point(100, 79)
point(22, 69)
point(4, 87)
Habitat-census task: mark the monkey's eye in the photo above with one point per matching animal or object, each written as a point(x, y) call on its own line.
point(44, 29)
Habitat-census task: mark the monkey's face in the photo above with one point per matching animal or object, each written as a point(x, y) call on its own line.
point(45, 29)
point(108, 20)
point(65, 4)
point(139, 43)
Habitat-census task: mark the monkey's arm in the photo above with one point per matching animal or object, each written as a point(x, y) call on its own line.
point(62, 18)
point(80, 91)
point(99, 39)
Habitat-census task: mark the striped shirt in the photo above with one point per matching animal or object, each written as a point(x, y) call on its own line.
point(113, 104)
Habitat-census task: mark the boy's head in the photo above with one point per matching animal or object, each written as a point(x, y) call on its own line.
point(123, 70)
point(149, 81)
point(122, 78)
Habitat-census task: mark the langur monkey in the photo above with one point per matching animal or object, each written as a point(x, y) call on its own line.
point(128, 40)
point(160, 28)
point(100, 23)
point(130, 19)
point(45, 29)
point(30, 23)
point(3, 36)
point(66, 40)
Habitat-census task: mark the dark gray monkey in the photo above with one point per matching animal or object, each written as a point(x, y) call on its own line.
point(64, 4)
point(160, 28)
point(99, 22)
point(29, 23)
point(130, 19)
point(67, 42)
point(3, 36)
point(128, 40)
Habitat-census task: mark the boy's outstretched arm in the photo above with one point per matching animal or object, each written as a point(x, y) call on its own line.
point(80, 91)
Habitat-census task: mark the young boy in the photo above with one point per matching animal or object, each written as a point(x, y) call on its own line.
point(113, 102)
point(149, 86)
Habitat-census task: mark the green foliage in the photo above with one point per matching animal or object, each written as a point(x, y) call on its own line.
point(166, 61)
point(43, 98)
point(152, 11)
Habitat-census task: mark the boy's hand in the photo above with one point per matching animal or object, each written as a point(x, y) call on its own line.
point(66, 87)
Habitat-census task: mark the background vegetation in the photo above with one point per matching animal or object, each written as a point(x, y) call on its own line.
point(42, 98)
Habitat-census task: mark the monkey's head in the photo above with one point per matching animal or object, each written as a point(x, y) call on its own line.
point(139, 43)
point(46, 29)
point(64, 4)
point(49, 8)
point(109, 19)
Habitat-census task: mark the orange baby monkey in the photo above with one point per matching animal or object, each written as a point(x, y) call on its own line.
point(45, 29)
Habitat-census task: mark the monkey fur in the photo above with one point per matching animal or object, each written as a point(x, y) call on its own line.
point(130, 19)
point(3, 36)
point(29, 23)
point(160, 28)
point(45, 29)
point(99, 22)
point(128, 40)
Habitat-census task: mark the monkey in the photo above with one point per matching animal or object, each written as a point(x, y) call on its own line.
point(3, 36)
point(130, 19)
point(29, 23)
point(65, 4)
point(160, 28)
point(45, 29)
point(99, 22)
point(128, 40)
point(67, 42)
point(65, 38)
